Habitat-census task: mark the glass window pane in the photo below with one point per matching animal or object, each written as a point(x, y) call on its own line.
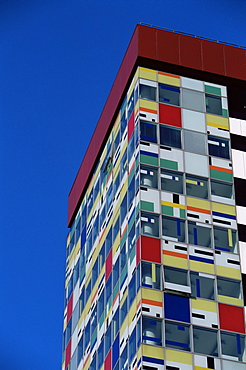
point(149, 176)
point(222, 189)
point(151, 275)
point(201, 286)
point(173, 228)
point(225, 239)
point(149, 224)
point(147, 92)
point(195, 142)
point(152, 331)
point(169, 94)
point(196, 186)
point(233, 345)
point(176, 276)
point(205, 341)
point(218, 147)
point(177, 336)
point(148, 131)
point(213, 104)
point(172, 181)
point(193, 100)
point(170, 136)
point(229, 288)
point(199, 234)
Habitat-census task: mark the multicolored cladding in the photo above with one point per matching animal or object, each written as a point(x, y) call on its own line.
point(153, 277)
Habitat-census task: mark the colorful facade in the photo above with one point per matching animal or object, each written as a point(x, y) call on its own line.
point(155, 268)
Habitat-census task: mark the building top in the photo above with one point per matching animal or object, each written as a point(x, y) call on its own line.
point(176, 52)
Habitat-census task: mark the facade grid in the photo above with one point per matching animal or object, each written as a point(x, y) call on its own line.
point(155, 266)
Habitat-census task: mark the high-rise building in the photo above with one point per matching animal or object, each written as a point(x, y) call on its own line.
point(156, 251)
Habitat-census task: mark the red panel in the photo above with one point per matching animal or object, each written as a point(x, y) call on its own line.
point(147, 42)
point(213, 57)
point(109, 264)
point(70, 308)
point(108, 361)
point(150, 249)
point(68, 354)
point(130, 126)
point(170, 115)
point(231, 318)
point(235, 62)
point(190, 52)
point(138, 251)
point(168, 47)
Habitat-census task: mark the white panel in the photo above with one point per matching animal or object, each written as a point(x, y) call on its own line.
point(242, 248)
point(231, 365)
point(235, 126)
point(76, 294)
point(180, 366)
point(243, 127)
point(194, 120)
point(192, 84)
point(238, 164)
point(153, 196)
point(74, 340)
point(148, 82)
point(241, 215)
point(211, 318)
point(196, 164)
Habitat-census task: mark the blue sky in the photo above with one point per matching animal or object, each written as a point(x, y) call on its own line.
point(58, 60)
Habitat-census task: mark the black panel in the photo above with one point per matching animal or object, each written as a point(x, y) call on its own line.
point(176, 198)
point(244, 288)
point(210, 361)
point(242, 232)
point(238, 142)
point(240, 191)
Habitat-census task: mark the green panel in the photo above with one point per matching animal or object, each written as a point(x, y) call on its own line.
point(148, 160)
point(123, 274)
point(221, 175)
point(166, 210)
point(172, 165)
point(224, 112)
point(132, 174)
point(123, 238)
point(213, 90)
point(93, 337)
point(137, 160)
point(116, 290)
point(182, 213)
point(101, 321)
point(147, 206)
point(109, 303)
point(131, 221)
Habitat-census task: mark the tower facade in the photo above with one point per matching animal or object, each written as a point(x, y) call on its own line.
point(156, 251)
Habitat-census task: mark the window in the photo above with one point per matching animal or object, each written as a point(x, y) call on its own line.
point(176, 279)
point(148, 131)
point(149, 176)
point(205, 341)
point(221, 189)
point(173, 228)
point(218, 147)
point(169, 94)
point(147, 92)
point(202, 286)
point(170, 136)
point(152, 331)
point(225, 239)
point(233, 347)
point(199, 234)
point(213, 104)
point(149, 224)
point(177, 336)
point(229, 288)
point(151, 273)
point(172, 181)
point(197, 186)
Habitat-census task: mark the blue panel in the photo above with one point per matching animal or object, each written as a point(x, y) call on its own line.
point(178, 227)
point(200, 259)
point(195, 235)
point(116, 350)
point(238, 344)
point(198, 292)
point(153, 360)
point(176, 307)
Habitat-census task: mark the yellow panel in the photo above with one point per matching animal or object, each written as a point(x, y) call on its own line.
point(201, 304)
point(116, 244)
point(148, 104)
point(123, 327)
point(152, 351)
point(132, 312)
point(177, 356)
point(153, 272)
point(123, 190)
point(228, 272)
point(175, 261)
point(223, 208)
point(230, 300)
point(169, 79)
point(139, 353)
point(149, 74)
point(216, 121)
point(202, 267)
point(87, 365)
point(198, 203)
point(136, 108)
point(200, 368)
point(152, 294)
point(164, 203)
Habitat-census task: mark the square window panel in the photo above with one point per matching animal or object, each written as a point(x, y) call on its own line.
point(169, 94)
point(149, 176)
point(177, 336)
point(195, 142)
point(173, 229)
point(225, 239)
point(196, 164)
point(193, 100)
point(205, 341)
point(147, 92)
point(170, 136)
point(148, 131)
point(172, 181)
point(213, 104)
point(196, 186)
point(233, 346)
point(218, 147)
point(202, 285)
point(199, 234)
point(194, 120)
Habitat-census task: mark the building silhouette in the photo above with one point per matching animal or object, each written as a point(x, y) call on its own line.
point(156, 250)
